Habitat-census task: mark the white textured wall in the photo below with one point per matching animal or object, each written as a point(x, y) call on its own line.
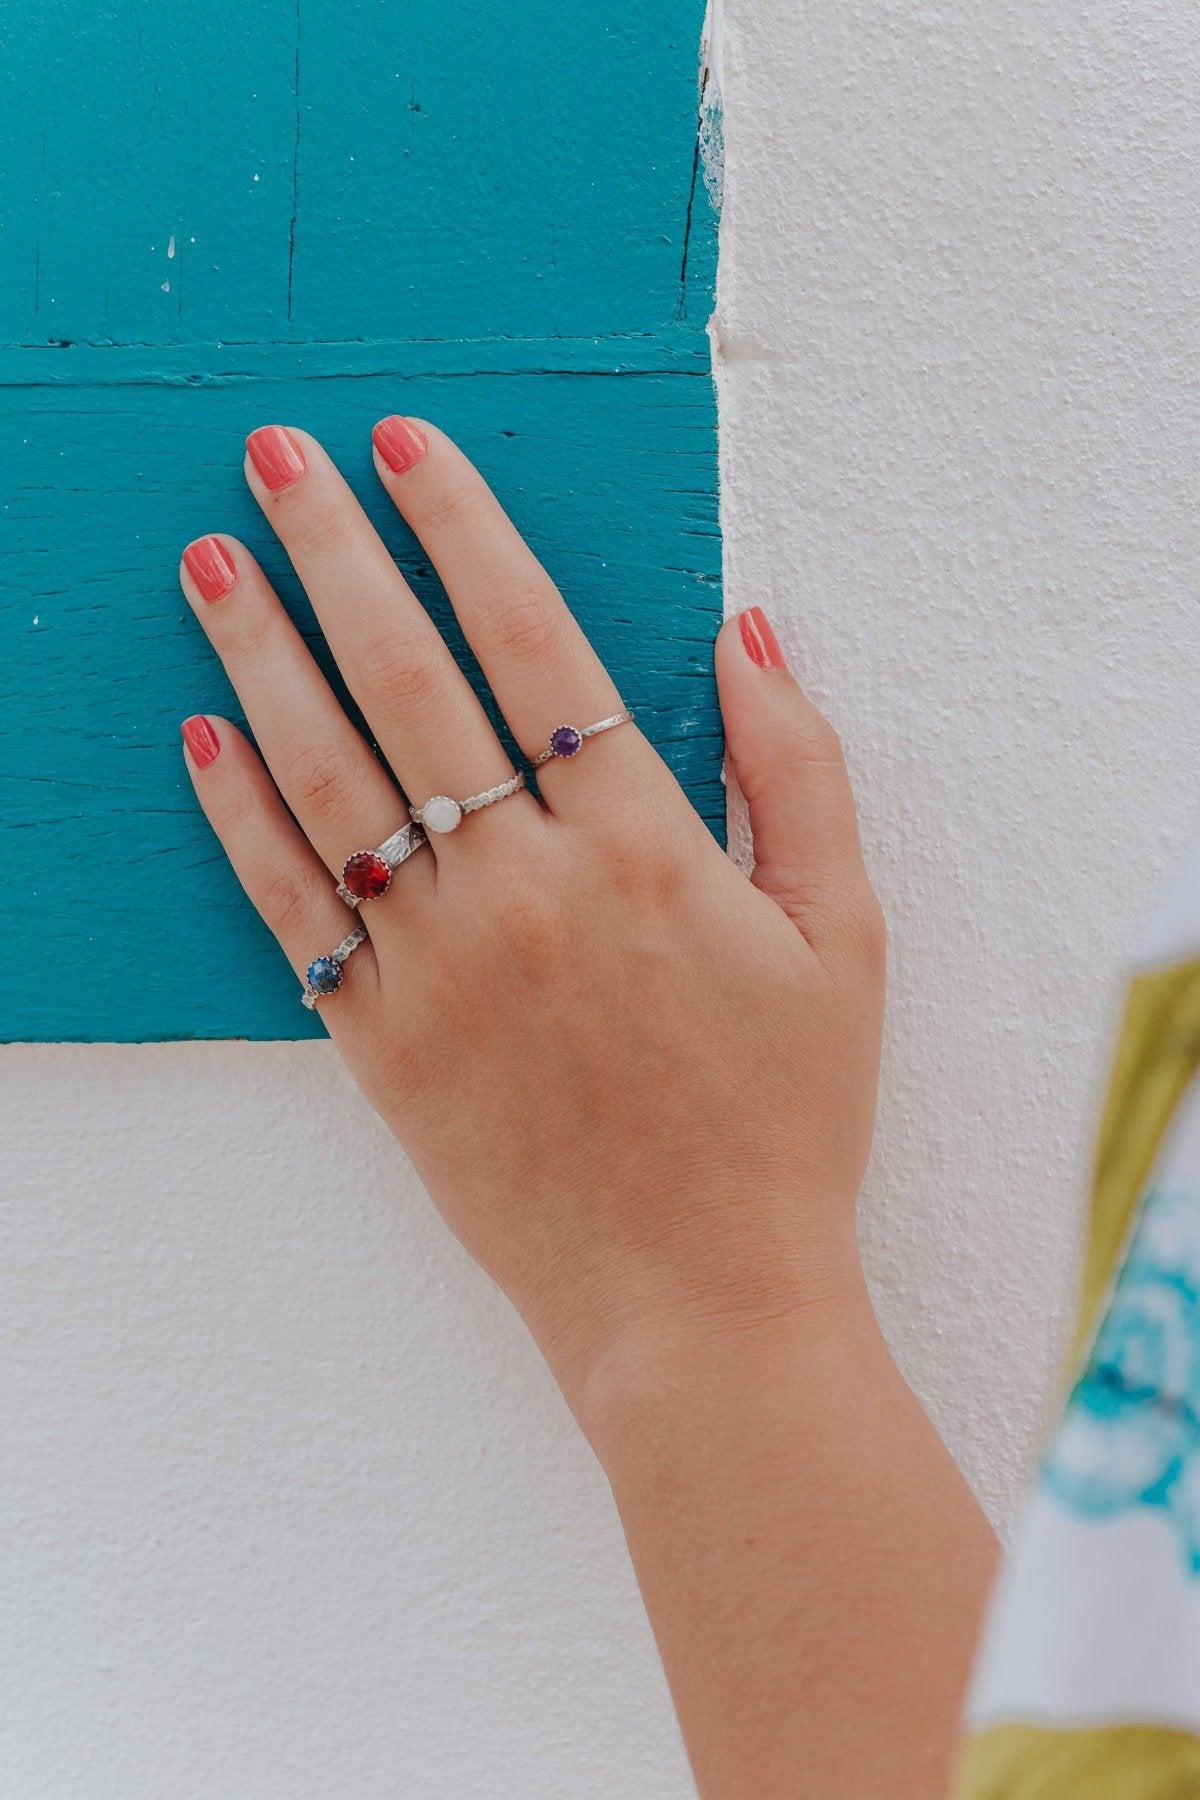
point(289, 1507)
point(961, 437)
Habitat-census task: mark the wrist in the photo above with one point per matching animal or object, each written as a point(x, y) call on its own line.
point(683, 1368)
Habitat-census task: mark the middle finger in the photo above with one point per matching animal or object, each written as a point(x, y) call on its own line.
point(431, 727)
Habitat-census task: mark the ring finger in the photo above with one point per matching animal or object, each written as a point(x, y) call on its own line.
point(342, 797)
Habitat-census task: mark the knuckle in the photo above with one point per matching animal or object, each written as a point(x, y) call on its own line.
point(319, 777)
point(246, 634)
point(813, 741)
point(456, 506)
point(643, 854)
point(395, 673)
point(529, 932)
point(649, 875)
point(411, 1074)
point(525, 626)
point(284, 899)
point(318, 528)
point(865, 929)
point(236, 811)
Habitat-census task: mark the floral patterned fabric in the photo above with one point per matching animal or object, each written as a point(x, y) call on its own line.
point(1131, 1433)
point(1087, 1684)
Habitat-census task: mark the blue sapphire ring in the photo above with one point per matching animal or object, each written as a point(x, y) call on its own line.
point(567, 740)
point(324, 973)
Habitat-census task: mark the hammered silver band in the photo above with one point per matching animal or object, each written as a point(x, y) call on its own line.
point(370, 871)
point(441, 814)
point(568, 740)
point(324, 973)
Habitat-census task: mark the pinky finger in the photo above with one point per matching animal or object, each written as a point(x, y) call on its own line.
point(275, 863)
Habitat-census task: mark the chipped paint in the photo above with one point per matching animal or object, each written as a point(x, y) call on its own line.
point(711, 140)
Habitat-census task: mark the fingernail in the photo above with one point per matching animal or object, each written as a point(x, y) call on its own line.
point(399, 443)
point(762, 646)
point(210, 566)
point(276, 456)
point(201, 740)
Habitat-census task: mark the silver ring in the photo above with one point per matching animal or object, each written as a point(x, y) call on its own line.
point(567, 740)
point(441, 814)
point(324, 973)
point(368, 873)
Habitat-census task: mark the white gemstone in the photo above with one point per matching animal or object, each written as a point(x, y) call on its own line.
point(441, 814)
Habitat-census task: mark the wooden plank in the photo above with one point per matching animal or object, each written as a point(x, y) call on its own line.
point(483, 218)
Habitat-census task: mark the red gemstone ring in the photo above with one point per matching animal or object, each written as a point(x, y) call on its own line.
point(567, 740)
point(368, 873)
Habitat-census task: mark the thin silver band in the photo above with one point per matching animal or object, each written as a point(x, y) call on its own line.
point(489, 797)
point(441, 814)
point(393, 851)
point(350, 943)
point(575, 735)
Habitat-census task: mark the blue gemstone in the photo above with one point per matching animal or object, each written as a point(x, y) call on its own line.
point(324, 975)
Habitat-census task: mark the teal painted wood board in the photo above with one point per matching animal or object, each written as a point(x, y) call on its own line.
point(317, 213)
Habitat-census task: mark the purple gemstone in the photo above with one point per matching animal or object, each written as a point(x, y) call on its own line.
point(566, 741)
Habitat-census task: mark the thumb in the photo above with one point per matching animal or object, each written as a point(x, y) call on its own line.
point(789, 765)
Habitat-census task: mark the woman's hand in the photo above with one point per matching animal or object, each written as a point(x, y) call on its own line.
point(638, 1085)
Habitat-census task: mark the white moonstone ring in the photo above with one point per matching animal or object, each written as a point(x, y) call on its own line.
point(441, 814)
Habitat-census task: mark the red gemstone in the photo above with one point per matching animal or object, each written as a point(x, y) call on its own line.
point(366, 875)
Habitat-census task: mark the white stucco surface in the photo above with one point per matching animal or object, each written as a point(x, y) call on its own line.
point(290, 1508)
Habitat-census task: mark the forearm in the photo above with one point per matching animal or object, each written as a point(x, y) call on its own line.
point(813, 1563)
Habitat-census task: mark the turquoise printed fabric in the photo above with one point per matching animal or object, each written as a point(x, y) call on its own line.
point(1131, 1434)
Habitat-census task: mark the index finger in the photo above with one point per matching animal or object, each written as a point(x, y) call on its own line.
point(537, 660)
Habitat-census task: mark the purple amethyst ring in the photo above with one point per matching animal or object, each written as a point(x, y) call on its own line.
point(567, 740)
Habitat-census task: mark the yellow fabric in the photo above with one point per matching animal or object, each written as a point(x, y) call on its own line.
point(1158, 1052)
point(1117, 1762)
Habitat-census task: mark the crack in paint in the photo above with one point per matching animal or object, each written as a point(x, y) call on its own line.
point(500, 337)
point(222, 377)
point(681, 308)
point(295, 172)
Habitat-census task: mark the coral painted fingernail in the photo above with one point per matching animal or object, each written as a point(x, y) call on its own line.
point(201, 740)
point(210, 566)
point(276, 456)
point(399, 443)
point(762, 646)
